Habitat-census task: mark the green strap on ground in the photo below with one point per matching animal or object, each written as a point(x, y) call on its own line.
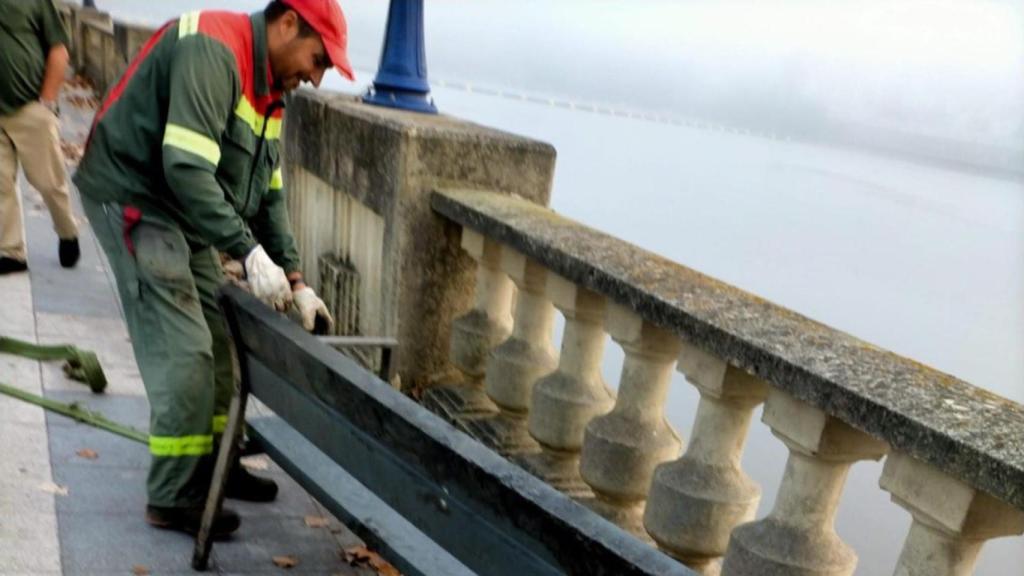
point(80, 365)
point(76, 412)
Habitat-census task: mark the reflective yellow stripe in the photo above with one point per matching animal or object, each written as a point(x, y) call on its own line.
point(188, 24)
point(220, 422)
point(276, 181)
point(192, 141)
point(180, 445)
point(248, 114)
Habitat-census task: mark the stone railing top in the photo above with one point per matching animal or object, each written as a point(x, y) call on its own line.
point(102, 25)
point(305, 100)
point(969, 433)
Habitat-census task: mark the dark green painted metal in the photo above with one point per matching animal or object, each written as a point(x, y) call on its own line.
point(376, 523)
point(489, 514)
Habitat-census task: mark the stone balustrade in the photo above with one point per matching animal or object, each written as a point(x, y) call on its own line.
point(954, 453)
point(101, 47)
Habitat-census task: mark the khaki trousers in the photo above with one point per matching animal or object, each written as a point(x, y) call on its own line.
point(30, 136)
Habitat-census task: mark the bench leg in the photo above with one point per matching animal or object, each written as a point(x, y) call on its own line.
point(215, 498)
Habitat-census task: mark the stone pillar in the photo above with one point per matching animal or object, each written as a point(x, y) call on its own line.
point(622, 448)
point(129, 39)
point(516, 365)
point(360, 179)
point(92, 54)
point(489, 322)
point(111, 59)
point(951, 519)
point(566, 400)
point(79, 31)
point(696, 501)
point(798, 537)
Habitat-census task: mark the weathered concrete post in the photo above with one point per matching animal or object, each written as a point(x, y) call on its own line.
point(129, 39)
point(951, 520)
point(622, 448)
point(515, 366)
point(696, 501)
point(93, 27)
point(798, 537)
point(359, 180)
point(112, 61)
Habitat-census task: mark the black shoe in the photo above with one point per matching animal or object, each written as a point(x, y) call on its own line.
point(188, 520)
point(244, 486)
point(68, 252)
point(10, 265)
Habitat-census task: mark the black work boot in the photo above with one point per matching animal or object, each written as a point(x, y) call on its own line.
point(10, 265)
point(69, 252)
point(189, 520)
point(242, 485)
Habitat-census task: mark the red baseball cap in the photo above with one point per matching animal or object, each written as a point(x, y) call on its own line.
point(326, 18)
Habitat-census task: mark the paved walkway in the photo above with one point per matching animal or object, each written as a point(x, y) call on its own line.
point(72, 497)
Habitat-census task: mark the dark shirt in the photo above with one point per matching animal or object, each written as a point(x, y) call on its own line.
point(28, 30)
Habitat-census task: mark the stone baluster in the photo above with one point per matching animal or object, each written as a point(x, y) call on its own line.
point(566, 400)
point(951, 519)
point(697, 500)
point(798, 537)
point(515, 366)
point(622, 448)
point(477, 332)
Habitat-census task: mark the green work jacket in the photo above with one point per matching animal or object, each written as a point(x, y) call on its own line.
point(191, 134)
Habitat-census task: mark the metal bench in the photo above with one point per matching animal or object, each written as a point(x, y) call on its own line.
point(427, 497)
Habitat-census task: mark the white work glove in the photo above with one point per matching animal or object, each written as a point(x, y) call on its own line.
point(310, 306)
point(267, 280)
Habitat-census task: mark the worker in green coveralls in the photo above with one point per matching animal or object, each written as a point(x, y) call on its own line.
point(183, 161)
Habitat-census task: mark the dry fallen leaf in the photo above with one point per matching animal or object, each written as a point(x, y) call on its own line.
point(140, 570)
point(286, 562)
point(317, 521)
point(88, 454)
point(356, 555)
point(362, 556)
point(52, 488)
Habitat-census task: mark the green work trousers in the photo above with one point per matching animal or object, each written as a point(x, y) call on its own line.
point(168, 293)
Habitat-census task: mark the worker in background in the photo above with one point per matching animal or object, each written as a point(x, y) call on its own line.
point(183, 161)
point(33, 60)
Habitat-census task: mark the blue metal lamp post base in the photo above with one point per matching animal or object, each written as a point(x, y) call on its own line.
point(396, 98)
point(401, 80)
